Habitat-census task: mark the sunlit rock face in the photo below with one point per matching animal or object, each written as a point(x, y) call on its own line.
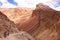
point(17, 14)
point(49, 20)
point(20, 16)
point(6, 25)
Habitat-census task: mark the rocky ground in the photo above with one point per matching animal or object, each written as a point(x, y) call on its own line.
point(22, 35)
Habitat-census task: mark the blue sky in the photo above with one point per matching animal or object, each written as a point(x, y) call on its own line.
point(55, 4)
point(15, 3)
point(12, 2)
point(0, 3)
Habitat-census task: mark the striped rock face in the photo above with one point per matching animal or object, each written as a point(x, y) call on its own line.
point(49, 23)
point(20, 16)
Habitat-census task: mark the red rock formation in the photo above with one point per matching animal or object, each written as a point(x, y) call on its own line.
point(20, 16)
point(15, 14)
point(49, 21)
point(43, 23)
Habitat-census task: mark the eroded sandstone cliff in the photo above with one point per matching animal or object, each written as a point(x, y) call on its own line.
point(48, 26)
point(43, 22)
point(20, 16)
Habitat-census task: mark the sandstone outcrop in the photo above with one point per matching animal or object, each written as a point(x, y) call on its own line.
point(48, 26)
point(20, 16)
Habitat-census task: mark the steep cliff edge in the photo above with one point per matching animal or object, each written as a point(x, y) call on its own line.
point(49, 20)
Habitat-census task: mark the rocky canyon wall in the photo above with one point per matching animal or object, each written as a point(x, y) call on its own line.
point(49, 21)
point(43, 22)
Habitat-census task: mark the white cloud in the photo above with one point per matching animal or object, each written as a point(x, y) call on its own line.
point(6, 4)
point(58, 8)
point(30, 3)
point(53, 4)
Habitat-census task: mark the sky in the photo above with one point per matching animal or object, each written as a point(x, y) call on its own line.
point(55, 4)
